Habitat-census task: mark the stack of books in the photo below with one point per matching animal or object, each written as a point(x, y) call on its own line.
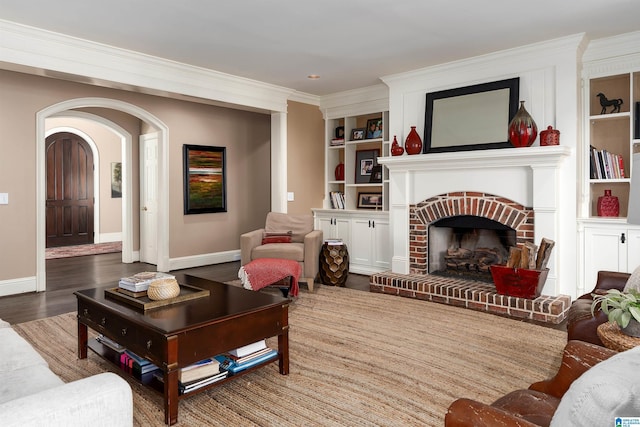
point(606, 165)
point(200, 374)
point(337, 200)
point(245, 357)
point(334, 242)
point(138, 284)
point(335, 142)
point(136, 365)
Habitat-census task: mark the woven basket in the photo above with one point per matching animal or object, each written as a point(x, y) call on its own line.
point(163, 289)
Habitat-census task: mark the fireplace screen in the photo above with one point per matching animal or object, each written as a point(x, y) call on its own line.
point(468, 245)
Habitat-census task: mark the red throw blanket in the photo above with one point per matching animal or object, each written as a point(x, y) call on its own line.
point(263, 272)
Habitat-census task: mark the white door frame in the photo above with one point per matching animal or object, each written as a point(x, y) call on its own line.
point(163, 178)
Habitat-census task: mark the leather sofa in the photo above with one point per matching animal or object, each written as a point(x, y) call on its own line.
point(537, 405)
point(32, 395)
point(304, 247)
point(581, 324)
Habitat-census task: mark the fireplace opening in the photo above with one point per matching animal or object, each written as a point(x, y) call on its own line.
point(467, 245)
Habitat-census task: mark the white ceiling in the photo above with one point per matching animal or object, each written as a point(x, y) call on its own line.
point(349, 43)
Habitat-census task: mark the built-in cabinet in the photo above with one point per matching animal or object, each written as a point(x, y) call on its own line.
point(612, 135)
point(611, 247)
point(356, 143)
point(366, 234)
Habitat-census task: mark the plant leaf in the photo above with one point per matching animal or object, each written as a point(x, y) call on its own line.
point(625, 318)
point(635, 312)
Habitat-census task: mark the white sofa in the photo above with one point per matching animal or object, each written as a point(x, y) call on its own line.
point(32, 395)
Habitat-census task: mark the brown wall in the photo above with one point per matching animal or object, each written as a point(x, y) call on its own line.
point(246, 135)
point(305, 157)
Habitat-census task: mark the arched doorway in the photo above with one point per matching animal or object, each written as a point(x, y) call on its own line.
point(69, 195)
point(162, 228)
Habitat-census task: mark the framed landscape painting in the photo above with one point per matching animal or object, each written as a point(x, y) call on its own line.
point(205, 186)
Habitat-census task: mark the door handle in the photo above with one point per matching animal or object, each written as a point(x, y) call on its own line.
point(622, 238)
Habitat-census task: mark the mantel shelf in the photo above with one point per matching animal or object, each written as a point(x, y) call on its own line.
point(549, 156)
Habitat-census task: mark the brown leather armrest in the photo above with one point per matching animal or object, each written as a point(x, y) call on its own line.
point(577, 358)
point(467, 412)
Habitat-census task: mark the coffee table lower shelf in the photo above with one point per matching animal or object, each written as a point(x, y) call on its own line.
point(150, 380)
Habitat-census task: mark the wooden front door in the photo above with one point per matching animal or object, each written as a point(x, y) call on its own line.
point(69, 206)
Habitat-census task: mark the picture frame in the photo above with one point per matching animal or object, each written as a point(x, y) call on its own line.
point(357, 134)
point(116, 180)
point(205, 183)
point(376, 175)
point(374, 128)
point(365, 162)
point(339, 132)
point(370, 200)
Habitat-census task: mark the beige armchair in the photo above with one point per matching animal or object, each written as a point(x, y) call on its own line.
point(304, 247)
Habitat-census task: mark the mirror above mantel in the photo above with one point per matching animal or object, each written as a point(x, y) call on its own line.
point(469, 118)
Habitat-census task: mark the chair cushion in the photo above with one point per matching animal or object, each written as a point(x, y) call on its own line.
point(608, 390)
point(300, 225)
point(634, 281)
point(293, 251)
point(26, 381)
point(16, 352)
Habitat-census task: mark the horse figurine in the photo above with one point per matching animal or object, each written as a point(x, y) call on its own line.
point(604, 102)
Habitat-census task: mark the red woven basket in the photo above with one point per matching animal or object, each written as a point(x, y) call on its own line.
point(518, 282)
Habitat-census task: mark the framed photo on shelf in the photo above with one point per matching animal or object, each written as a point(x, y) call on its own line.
point(365, 161)
point(357, 134)
point(369, 200)
point(374, 128)
point(376, 175)
point(205, 186)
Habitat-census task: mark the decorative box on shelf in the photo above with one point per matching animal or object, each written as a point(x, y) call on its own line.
point(518, 282)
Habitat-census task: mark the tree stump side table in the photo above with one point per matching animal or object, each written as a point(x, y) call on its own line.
point(334, 264)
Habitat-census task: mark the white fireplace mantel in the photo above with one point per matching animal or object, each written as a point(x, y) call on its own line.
point(529, 175)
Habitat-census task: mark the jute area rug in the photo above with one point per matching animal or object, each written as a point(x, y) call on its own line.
point(357, 359)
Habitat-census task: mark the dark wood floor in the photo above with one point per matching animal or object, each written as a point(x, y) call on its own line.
point(67, 275)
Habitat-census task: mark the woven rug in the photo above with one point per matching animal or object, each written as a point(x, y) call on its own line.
point(357, 359)
point(80, 250)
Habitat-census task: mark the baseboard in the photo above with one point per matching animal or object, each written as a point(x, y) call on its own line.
point(110, 237)
point(18, 286)
point(204, 259)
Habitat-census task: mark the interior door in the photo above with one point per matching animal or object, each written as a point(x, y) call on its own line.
point(69, 202)
point(149, 198)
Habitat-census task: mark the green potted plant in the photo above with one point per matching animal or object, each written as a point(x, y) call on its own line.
point(622, 308)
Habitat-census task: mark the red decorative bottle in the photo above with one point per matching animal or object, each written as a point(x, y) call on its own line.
point(608, 205)
point(413, 143)
point(522, 129)
point(396, 149)
point(339, 172)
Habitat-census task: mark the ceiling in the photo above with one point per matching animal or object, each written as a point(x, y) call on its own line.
point(348, 43)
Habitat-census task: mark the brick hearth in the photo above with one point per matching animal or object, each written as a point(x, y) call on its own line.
point(471, 294)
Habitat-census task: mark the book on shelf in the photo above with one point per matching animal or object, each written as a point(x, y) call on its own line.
point(605, 165)
point(249, 348)
point(334, 242)
point(140, 282)
point(337, 200)
point(336, 142)
point(228, 364)
point(186, 387)
point(110, 343)
point(202, 369)
point(136, 364)
point(248, 357)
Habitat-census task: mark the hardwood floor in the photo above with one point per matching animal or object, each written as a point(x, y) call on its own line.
point(66, 275)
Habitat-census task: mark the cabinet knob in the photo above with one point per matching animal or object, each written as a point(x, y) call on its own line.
point(622, 238)
point(149, 345)
point(103, 321)
point(373, 224)
point(123, 331)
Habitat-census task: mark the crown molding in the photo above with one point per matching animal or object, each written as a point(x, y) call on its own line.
point(612, 47)
point(61, 56)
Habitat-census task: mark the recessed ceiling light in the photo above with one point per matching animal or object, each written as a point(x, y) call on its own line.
point(313, 76)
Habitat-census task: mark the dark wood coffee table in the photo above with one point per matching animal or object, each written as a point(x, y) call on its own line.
point(178, 335)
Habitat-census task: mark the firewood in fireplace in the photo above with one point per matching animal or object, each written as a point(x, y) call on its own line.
point(514, 257)
point(544, 253)
point(529, 262)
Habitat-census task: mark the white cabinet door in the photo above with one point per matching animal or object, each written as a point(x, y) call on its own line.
point(603, 250)
point(326, 225)
point(382, 244)
point(342, 227)
point(360, 251)
point(633, 250)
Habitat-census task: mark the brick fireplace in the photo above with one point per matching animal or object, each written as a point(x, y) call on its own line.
point(515, 187)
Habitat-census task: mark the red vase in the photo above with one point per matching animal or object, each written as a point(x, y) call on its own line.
point(413, 143)
point(608, 205)
point(339, 172)
point(396, 149)
point(522, 128)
